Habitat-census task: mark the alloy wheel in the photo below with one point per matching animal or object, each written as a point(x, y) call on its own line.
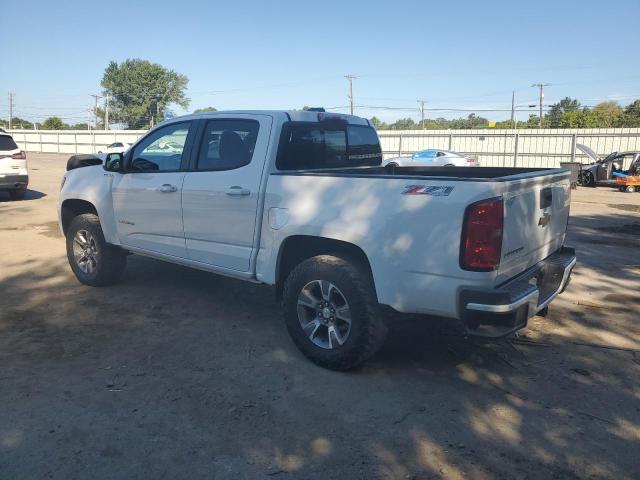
point(324, 314)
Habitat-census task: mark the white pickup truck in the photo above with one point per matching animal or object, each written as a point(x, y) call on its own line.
point(300, 200)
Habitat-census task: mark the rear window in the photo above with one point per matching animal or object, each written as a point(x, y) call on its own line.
point(7, 143)
point(313, 145)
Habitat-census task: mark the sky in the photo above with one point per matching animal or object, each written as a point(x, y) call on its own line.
point(458, 56)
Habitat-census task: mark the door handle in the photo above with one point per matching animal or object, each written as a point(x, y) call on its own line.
point(237, 191)
point(167, 188)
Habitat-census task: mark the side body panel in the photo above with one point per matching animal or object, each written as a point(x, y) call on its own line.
point(412, 241)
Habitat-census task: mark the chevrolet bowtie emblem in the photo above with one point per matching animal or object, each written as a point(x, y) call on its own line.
point(544, 220)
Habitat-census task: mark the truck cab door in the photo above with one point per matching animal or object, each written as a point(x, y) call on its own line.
point(147, 196)
point(220, 195)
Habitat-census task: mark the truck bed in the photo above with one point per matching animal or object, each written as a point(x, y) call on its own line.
point(494, 174)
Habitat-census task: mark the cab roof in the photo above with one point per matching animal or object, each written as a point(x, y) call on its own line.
point(290, 115)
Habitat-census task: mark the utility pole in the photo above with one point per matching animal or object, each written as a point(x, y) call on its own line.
point(513, 109)
point(421, 102)
point(96, 109)
point(12, 97)
point(541, 87)
point(350, 78)
point(106, 111)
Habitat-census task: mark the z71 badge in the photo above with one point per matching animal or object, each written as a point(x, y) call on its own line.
point(433, 190)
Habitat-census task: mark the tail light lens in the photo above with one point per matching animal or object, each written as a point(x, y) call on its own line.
point(19, 156)
point(481, 243)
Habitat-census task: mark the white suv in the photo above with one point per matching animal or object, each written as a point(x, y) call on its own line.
point(14, 176)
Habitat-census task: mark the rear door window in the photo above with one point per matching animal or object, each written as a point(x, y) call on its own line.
point(227, 144)
point(312, 146)
point(7, 143)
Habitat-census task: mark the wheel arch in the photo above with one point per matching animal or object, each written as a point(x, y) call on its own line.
point(297, 248)
point(73, 207)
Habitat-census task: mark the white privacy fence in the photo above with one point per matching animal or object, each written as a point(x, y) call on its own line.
point(72, 141)
point(522, 148)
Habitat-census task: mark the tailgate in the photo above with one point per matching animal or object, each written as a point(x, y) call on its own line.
point(535, 222)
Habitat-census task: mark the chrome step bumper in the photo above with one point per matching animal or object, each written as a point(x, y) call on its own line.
point(505, 309)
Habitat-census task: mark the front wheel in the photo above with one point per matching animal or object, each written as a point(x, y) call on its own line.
point(588, 180)
point(93, 261)
point(332, 313)
point(630, 189)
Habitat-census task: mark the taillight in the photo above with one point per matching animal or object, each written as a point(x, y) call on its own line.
point(19, 156)
point(481, 243)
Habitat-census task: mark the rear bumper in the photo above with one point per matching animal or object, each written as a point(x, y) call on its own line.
point(10, 182)
point(505, 309)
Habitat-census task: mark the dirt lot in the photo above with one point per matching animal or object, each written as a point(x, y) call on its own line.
point(177, 373)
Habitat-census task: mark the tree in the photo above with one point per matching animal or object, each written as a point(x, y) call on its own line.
point(78, 126)
point(205, 110)
point(608, 114)
point(567, 104)
point(631, 116)
point(140, 91)
point(53, 123)
point(403, 124)
point(378, 124)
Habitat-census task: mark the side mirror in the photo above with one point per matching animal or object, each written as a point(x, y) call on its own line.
point(114, 162)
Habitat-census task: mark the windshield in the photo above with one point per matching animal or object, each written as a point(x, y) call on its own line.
point(611, 156)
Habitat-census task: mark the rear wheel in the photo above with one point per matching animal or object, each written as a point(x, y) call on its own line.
point(331, 312)
point(630, 189)
point(92, 259)
point(18, 194)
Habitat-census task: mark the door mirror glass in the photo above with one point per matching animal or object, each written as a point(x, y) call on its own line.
point(114, 162)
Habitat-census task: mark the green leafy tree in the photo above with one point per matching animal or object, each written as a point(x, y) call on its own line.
point(78, 126)
point(140, 91)
point(378, 124)
point(53, 123)
point(584, 118)
point(567, 104)
point(608, 114)
point(205, 110)
point(403, 124)
point(631, 116)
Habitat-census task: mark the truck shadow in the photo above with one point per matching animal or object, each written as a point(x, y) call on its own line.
point(30, 195)
point(201, 366)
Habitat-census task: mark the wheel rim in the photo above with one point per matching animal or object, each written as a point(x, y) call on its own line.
point(85, 251)
point(324, 314)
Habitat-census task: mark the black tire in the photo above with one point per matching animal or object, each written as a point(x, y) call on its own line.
point(449, 165)
point(367, 330)
point(392, 164)
point(588, 180)
point(110, 261)
point(18, 194)
point(630, 189)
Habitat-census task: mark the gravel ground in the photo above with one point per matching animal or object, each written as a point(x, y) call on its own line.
point(176, 373)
